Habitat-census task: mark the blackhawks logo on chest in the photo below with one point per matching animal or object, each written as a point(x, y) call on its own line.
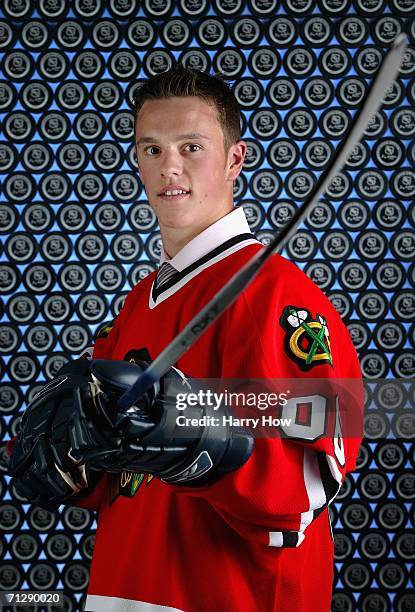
point(307, 338)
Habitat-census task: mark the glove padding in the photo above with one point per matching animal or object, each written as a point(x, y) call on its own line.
point(146, 438)
point(40, 463)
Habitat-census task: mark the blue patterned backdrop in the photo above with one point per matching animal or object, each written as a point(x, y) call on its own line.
point(76, 230)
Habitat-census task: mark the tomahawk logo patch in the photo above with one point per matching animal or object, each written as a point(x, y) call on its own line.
point(131, 482)
point(307, 338)
point(127, 484)
point(105, 329)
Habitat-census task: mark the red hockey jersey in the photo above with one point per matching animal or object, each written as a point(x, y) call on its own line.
point(259, 538)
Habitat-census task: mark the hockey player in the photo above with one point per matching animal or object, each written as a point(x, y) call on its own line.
point(209, 517)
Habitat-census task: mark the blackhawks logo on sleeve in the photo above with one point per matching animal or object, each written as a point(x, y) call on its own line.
point(307, 338)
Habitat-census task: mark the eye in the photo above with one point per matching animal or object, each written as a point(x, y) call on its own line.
point(151, 150)
point(193, 147)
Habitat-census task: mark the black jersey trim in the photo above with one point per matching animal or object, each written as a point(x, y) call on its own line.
point(155, 293)
point(330, 484)
point(290, 539)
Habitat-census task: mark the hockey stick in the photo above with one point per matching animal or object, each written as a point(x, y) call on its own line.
point(232, 289)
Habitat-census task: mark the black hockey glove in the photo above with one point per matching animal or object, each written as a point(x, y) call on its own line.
point(40, 463)
point(147, 437)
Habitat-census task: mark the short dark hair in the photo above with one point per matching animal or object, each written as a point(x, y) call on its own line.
point(181, 81)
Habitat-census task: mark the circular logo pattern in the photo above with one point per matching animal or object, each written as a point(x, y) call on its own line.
point(89, 126)
point(18, 65)
point(389, 336)
point(9, 339)
point(403, 305)
point(92, 307)
point(321, 273)
point(283, 154)
point(265, 185)
point(264, 62)
point(372, 306)
point(403, 245)
point(282, 31)
point(374, 365)
point(74, 277)
point(371, 245)
point(88, 65)
point(317, 31)
point(254, 155)
point(142, 217)
point(336, 245)
point(342, 303)
point(20, 248)
point(109, 277)
point(70, 181)
point(264, 124)
point(40, 338)
point(299, 184)
point(90, 247)
point(320, 216)
point(334, 123)
point(317, 92)
point(141, 34)
point(55, 248)
point(72, 217)
point(335, 61)
point(367, 60)
point(211, 33)
point(359, 333)
point(387, 29)
point(282, 93)
point(280, 213)
point(388, 275)
point(354, 275)
point(230, 62)
point(8, 219)
point(351, 91)
point(352, 31)
point(248, 93)
point(37, 218)
point(72, 157)
point(74, 338)
point(246, 32)
point(123, 65)
point(39, 278)
point(108, 217)
point(126, 247)
point(299, 62)
point(197, 59)
point(254, 213)
point(302, 246)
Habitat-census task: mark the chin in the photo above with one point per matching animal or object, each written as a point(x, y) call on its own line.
point(178, 218)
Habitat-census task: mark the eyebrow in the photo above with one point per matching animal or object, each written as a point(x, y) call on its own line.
point(192, 136)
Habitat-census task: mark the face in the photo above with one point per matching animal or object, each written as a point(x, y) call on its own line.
point(187, 176)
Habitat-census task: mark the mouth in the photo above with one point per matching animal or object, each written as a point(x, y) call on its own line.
point(172, 194)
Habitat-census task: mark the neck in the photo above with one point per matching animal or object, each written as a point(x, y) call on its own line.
point(175, 239)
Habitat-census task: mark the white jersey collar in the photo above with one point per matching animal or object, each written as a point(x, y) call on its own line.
point(232, 224)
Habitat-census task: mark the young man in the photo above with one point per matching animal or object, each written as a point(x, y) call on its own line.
point(207, 520)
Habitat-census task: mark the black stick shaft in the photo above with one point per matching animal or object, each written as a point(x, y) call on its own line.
point(234, 287)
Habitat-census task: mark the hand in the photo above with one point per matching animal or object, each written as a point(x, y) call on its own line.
point(147, 437)
point(41, 464)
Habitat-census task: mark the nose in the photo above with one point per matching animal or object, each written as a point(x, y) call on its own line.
point(171, 164)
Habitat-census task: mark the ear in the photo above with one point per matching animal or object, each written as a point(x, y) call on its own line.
point(236, 157)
